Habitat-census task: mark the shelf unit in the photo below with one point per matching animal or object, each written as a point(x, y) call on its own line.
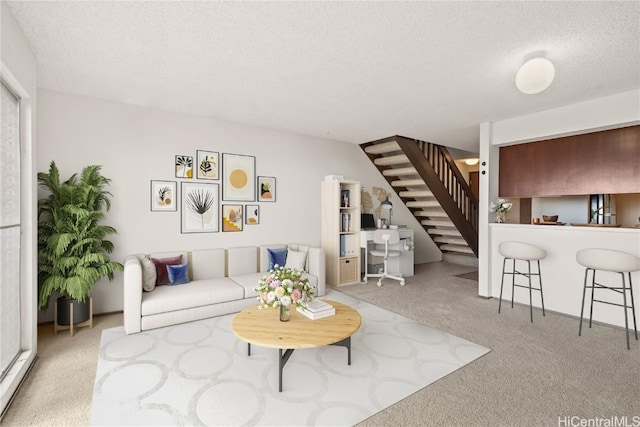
point(340, 231)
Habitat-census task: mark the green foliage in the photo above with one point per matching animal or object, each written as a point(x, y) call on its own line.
point(72, 246)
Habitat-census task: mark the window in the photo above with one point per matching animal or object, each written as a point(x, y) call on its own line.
point(10, 284)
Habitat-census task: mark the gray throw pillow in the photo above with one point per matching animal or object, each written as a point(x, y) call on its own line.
point(148, 275)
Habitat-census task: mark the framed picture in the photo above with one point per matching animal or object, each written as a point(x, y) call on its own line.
point(266, 189)
point(200, 207)
point(184, 166)
point(231, 217)
point(239, 178)
point(208, 164)
point(252, 214)
point(163, 196)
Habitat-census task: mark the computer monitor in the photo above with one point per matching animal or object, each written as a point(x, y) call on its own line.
point(367, 221)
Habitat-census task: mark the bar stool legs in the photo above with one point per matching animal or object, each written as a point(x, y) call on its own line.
point(615, 262)
point(623, 290)
point(528, 274)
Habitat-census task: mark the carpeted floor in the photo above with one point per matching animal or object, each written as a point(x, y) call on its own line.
point(472, 275)
point(199, 373)
point(535, 375)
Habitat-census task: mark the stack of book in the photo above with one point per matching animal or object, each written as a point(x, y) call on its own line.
point(317, 309)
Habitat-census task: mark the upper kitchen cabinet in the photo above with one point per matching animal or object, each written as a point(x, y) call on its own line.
point(606, 162)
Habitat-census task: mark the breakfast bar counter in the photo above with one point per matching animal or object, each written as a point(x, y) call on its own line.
point(562, 276)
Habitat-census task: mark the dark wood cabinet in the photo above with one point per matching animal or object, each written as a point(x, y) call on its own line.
point(599, 162)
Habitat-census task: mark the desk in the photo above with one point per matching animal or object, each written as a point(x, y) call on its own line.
point(402, 264)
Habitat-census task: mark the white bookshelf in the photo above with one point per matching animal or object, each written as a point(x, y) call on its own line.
point(340, 231)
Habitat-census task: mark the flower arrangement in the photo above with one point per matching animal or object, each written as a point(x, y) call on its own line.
point(500, 207)
point(282, 287)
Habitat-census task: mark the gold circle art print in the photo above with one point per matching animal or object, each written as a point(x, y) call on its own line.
point(239, 177)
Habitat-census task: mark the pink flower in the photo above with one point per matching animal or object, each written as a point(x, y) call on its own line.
point(296, 295)
point(275, 284)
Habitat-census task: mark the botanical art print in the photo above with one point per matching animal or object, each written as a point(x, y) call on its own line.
point(184, 166)
point(200, 206)
point(231, 217)
point(266, 189)
point(239, 177)
point(208, 164)
point(163, 195)
point(252, 214)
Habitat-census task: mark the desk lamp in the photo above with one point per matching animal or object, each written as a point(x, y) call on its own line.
point(387, 206)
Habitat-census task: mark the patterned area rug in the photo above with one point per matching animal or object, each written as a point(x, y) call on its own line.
point(199, 373)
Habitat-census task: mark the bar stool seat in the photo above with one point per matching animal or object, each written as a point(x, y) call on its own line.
point(519, 251)
point(595, 259)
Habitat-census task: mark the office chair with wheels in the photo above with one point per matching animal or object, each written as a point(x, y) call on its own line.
point(386, 237)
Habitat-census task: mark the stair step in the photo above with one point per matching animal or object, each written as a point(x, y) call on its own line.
point(416, 193)
point(444, 232)
point(437, 223)
point(422, 204)
point(431, 213)
point(383, 147)
point(391, 160)
point(409, 183)
point(456, 248)
point(451, 240)
point(400, 171)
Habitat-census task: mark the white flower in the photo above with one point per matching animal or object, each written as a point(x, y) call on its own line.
point(271, 297)
point(285, 300)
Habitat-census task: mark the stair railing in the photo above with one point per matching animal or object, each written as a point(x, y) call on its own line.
point(438, 170)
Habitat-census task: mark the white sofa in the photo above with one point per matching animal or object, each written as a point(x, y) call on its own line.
point(221, 282)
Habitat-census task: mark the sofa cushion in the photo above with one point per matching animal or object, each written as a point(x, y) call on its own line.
point(242, 260)
point(194, 294)
point(148, 274)
point(178, 274)
point(296, 259)
point(162, 277)
point(207, 263)
point(248, 282)
point(277, 257)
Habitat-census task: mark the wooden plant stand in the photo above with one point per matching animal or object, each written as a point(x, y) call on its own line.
point(71, 327)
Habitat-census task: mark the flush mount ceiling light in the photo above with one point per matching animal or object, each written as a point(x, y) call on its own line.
point(472, 161)
point(535, 75)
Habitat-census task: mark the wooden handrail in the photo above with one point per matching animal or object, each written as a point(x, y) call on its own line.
point(438, 170)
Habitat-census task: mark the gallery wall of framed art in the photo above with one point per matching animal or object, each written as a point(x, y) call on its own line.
point(218, 192)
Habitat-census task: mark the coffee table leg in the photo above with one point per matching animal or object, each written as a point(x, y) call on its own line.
point(345, 343)
point(282, 359)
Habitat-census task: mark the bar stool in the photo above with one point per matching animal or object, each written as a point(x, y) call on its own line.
point(615, 262)
point(518, 251)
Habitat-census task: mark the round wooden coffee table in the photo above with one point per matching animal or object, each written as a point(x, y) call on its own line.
point(264, 328)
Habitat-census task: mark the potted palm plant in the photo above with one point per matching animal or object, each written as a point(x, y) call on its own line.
point(73, 252)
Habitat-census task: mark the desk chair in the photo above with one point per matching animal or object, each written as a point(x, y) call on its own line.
point(386, 237)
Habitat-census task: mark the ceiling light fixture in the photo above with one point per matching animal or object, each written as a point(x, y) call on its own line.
point(535, 75)
point(472, 162)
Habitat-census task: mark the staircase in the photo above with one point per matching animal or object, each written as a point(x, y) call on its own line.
point(427, 180)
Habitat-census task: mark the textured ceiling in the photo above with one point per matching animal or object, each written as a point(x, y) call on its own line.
point(350, 71)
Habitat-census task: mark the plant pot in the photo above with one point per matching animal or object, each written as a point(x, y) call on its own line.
point(81, 311)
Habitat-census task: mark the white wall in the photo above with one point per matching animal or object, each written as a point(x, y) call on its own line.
point(19, 68)
point(136, 145)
